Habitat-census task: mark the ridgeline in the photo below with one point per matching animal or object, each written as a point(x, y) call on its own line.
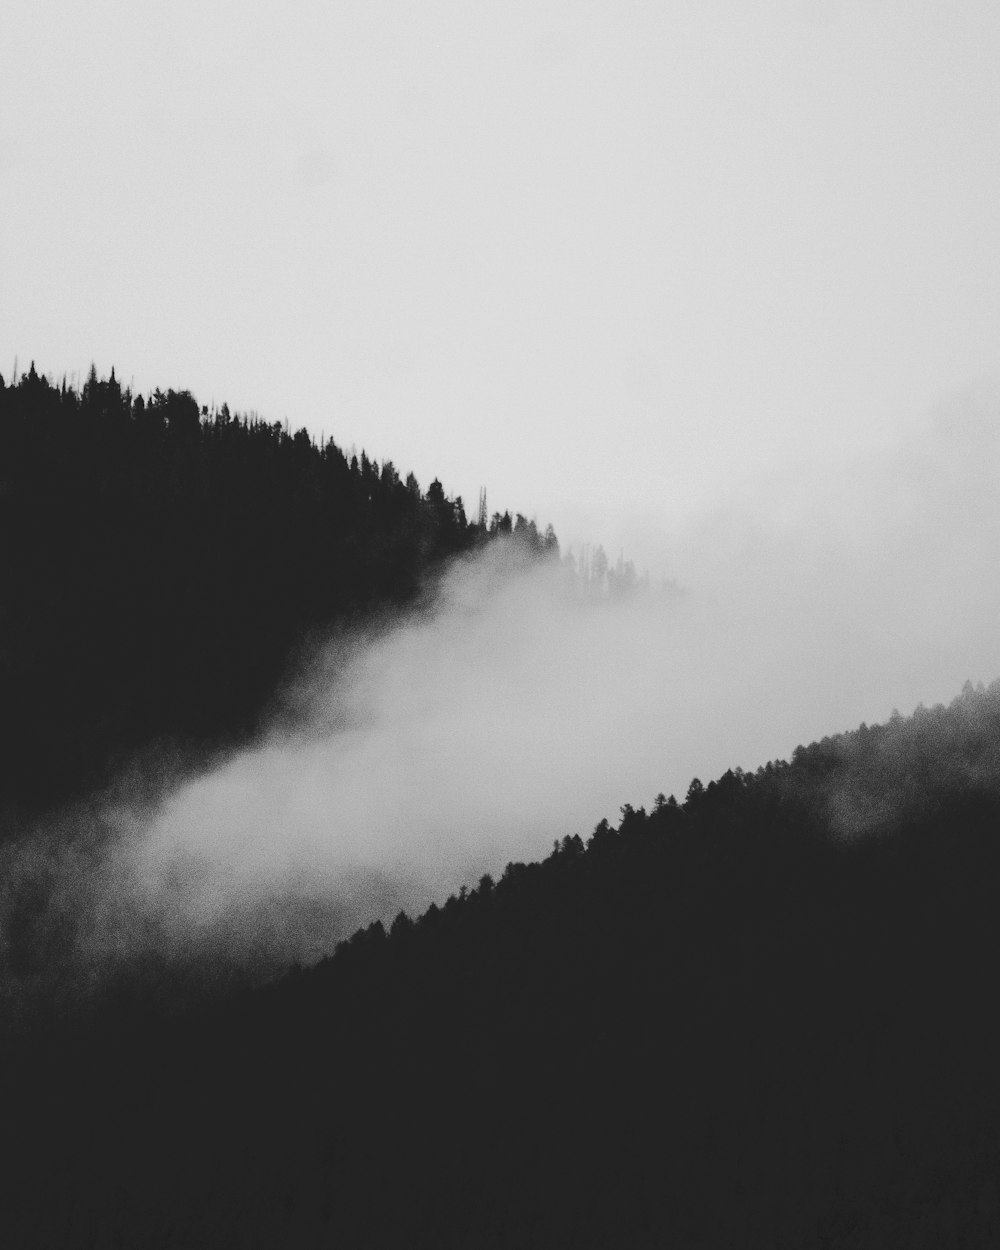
point(761, 1017)
point(162, 565)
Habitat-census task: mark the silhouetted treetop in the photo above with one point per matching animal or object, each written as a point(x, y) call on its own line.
point(162, 563)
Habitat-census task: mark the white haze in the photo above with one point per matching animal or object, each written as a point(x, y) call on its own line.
point(511, 710)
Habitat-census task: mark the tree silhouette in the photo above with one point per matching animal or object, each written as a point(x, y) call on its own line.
point(165, 564)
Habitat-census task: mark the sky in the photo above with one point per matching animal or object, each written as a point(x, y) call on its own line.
point(611, 261)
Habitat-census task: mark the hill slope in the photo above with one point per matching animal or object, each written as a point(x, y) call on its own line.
point(763, 1017)
point(161, 565)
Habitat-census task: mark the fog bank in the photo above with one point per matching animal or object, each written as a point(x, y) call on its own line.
point(514, 708)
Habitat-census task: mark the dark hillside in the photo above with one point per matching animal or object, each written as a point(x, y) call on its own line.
point(730, 1022)
point(160, 564)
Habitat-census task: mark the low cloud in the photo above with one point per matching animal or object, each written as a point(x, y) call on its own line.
point(511, 709)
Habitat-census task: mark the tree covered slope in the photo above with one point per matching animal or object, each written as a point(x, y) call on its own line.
point(763, 1017)
point(160, 564)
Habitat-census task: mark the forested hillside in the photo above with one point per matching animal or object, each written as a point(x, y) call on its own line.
point(762, 1017)
point(161, 563)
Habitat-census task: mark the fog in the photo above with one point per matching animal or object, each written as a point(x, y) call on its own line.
point(513, 706)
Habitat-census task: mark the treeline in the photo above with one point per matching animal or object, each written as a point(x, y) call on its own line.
point(728, 1023)
point(161, 563)
point(593, 572)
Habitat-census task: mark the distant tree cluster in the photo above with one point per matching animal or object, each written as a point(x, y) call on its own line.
point(161, 563)
point(591, 576)
point(591, 572)
point(720, 1025)
point(520, 528)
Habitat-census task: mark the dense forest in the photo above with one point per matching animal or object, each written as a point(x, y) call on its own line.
point(765, 1016)
point(762, 1016)
point(161, 564)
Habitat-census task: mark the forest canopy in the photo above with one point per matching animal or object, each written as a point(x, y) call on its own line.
point(162, 563)
point(725, 1024)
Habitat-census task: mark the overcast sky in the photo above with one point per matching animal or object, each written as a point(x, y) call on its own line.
point(604, 258)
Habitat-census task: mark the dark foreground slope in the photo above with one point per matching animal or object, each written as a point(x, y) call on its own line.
point(766, 1017)
point(160, 564)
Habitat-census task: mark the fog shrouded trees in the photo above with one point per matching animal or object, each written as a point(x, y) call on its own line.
point(763, 1017)
point(161, 564)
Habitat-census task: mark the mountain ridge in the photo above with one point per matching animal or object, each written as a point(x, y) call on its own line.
point(724, 1023)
